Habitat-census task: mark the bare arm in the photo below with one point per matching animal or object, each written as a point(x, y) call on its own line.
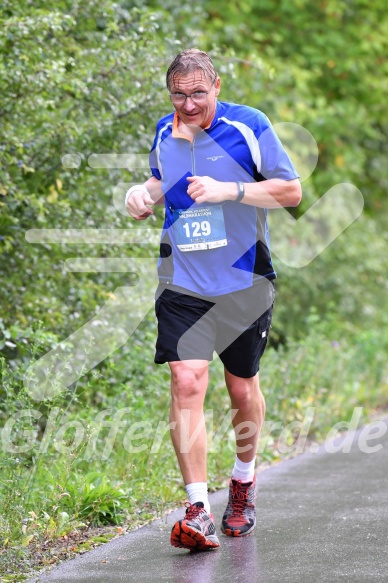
point(154, 187)
point(140, 202)
point(271, 193)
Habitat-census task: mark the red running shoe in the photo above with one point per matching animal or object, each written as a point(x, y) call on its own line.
point(240, 514)
point(196, 531)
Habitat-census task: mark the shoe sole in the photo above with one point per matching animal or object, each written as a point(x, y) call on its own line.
point(236, 532)
point(185, 537)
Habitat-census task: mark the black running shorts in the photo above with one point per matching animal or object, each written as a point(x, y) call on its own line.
point(234, 325)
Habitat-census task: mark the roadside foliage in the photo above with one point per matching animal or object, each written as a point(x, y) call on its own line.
point(79, 79)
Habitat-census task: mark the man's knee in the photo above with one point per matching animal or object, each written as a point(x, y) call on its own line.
point(188, 381)
point(245, 393)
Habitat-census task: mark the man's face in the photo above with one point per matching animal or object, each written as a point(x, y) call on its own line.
point(191, 113)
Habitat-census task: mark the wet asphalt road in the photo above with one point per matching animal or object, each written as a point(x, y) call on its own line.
point(322, 518)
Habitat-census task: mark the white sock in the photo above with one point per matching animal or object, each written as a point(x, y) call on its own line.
point(244, 471)
point(197, 492)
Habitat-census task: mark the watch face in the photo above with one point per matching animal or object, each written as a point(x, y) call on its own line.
point(241, 191)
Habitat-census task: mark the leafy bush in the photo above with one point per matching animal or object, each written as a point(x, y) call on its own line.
point(86, 78)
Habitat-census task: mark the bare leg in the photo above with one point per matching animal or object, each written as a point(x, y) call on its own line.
point(247, 399)
point(188, 432)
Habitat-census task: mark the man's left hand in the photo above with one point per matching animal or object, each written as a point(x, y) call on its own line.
point(205, 189)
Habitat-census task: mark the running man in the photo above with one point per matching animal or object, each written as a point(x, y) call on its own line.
point(218, 167)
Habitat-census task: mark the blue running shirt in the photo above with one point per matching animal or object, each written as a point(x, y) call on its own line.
point(239, 145)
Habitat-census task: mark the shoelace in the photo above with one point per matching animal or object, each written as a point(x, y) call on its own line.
point(192, 510)
point(239, 498)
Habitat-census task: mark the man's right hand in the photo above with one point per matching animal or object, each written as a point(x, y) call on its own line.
point(138, 204)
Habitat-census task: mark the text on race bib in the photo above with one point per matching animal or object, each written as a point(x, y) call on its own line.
point(199, 228)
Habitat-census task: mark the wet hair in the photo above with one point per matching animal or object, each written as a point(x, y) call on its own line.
point(189, 61)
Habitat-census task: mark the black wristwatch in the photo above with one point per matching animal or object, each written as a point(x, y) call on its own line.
point(241, 191)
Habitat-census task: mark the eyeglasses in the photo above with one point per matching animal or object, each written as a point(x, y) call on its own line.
point(197, 96)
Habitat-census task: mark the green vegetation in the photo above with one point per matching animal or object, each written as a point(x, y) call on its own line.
point(87, 78)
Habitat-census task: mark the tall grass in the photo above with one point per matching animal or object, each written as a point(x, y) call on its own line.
point(101, 453)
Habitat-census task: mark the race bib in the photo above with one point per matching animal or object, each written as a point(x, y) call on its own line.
point(198, 229)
